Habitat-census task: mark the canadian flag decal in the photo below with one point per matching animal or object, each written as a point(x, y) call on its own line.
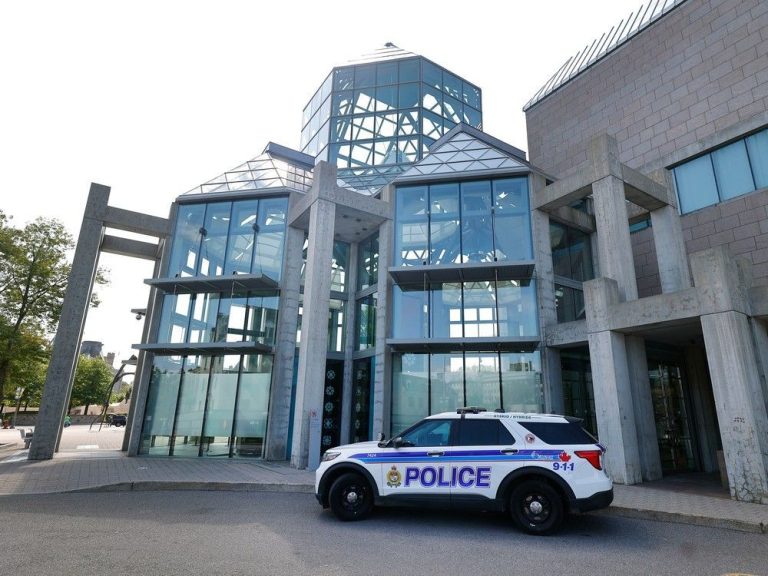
point(564, 457)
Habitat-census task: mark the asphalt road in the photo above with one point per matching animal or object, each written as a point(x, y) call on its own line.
point(211, 533)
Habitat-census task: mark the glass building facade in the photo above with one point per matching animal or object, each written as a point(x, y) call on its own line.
point(376, 118)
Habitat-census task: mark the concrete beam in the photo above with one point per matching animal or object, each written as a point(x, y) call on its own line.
point(137, 222)
point(574, 218)
point(128, 247)
point(641, 190)
point(566, 334)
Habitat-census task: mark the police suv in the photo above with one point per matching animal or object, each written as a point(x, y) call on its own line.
point(537, 467)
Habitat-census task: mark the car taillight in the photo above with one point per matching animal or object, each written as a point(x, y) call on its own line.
point(591, 456)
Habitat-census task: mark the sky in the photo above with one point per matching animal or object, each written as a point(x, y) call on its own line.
point(153, 98)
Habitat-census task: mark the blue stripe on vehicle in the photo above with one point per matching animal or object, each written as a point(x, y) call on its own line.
point(458, 456)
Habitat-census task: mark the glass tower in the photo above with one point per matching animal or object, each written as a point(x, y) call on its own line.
point(377, 116)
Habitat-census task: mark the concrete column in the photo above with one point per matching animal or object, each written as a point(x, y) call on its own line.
point(760, 336)
point(545, 288)
point(314, 331)
point(670, 250)
point(611, 383)
point(614, 245)
point(740, 407)
point(722, 284)
point(58, 381)
point(382, 376)
point(285, 348)
point(645, 422)
point(350, 324)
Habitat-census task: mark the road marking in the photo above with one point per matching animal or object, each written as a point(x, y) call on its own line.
point(87, 447)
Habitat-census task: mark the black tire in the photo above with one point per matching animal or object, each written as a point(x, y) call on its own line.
point(351, 497)
point(536, 507)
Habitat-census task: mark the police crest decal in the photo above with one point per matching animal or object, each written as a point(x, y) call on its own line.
point(394, 478)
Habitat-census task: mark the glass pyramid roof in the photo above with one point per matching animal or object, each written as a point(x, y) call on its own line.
point(276, 167)
point(465, 149)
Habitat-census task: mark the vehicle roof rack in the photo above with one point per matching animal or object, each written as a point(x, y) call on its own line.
point(470, 410)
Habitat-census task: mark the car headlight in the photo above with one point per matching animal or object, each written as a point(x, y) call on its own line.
point(328, 456)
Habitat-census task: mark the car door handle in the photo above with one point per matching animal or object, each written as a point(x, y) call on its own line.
point(435, 453)
point(509, 451)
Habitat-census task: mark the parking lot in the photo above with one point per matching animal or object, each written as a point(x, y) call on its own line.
point(75, 437)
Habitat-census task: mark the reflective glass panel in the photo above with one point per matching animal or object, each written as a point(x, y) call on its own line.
point(365, 101)
point(202, 325)
point(757, 145)
point(186, 240)
point(343, 78)
point(362, 400)
point(521, 382)
point(365, 76)
point(386, 98)
point(409, 95)
point(368, 262)
point(261, 319)
point(476, 226)
point(214, 245)
point(471, 95)
point(512, 221)
point(444, 231)
point(241, 237)
point(230, 319)
point(161, 405)
point(445, 310)
point(386, 73)
point(189, 420)
point(219, 412)
point(270, 238)
point(452, 85)
point(174, 320)
point(411, 226)
point(336, 323)
point(695, 182)
point(339, 266)
point(516, 301)
point(342, 103)
point(366, 323)
point(410, 390)
point(408, 70)
point(734, 176)
point(482, 379)
point(431, 75)
point(410, 313)
point(480, 310)
point(252, 405)
point(446, 382)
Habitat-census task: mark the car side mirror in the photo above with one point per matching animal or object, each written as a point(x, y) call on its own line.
point(381, 442)
point(398, 442)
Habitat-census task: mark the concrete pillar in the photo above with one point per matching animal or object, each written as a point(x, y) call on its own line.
point(314, 329)
point(614, 245)
point(722, 283)
point(285, 348)
point(760, 336)
point(545, 288)
point(350, 324)
point(611, 383)
point(642, 403)
point(671, 255)
point(382, 376)
point(58, 381)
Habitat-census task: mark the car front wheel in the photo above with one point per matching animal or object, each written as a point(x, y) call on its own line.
point(351, 497)
point(536, 507)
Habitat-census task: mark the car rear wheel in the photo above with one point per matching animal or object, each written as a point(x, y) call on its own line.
point(536, 507)
point(351, 497)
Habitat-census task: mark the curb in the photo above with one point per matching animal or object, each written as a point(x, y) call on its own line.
point(691, 519)
point(156, 486)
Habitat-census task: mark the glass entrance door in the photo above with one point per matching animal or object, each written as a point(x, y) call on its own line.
point(673, 426)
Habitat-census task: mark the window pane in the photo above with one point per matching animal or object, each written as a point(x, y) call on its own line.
point(446, 382)
point(386, 73)
point(241, 237)
point(342, 78)
point(270, 238)
point(362, 399)
point(336, 323)
point(444, 231)
point(471, 95)
point(261, 319)
point(186, 240)
point(161, 405)
point(409, 95)
point(521, 382)
point(174, 320)
point(189, 423)
point(581, 255)
point(366, 323)
point(445, 310)
point(476, 227)
point(409, 317)
point(483, 432)
point(368, 263)
point(734, 176)
point(214, 242)
point(757, 144)
point(219, 413)
point(512, 222)
point(365, 76)
point(482, 380)
point(202, 324)
point(429, 433)
point(411, 226)
point(561, 256)
point(695, 182)
point(253, 405)
point(517, 308)
point(431, 75)
point(410, 390)
point(409, 70)
point(386, 98)
point(480, 311)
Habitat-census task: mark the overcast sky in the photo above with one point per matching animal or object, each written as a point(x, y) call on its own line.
point(155, 97)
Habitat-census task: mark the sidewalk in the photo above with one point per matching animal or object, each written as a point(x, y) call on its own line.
point(100, 470)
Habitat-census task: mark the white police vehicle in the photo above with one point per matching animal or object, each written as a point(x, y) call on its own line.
point(537, 467)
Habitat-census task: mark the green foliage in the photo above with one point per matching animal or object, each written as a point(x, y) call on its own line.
point(33, 277)
point(123, 394)
point(92, 381)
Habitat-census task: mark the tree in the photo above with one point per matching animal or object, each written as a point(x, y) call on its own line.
point(33, 278)
point(93, 379)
